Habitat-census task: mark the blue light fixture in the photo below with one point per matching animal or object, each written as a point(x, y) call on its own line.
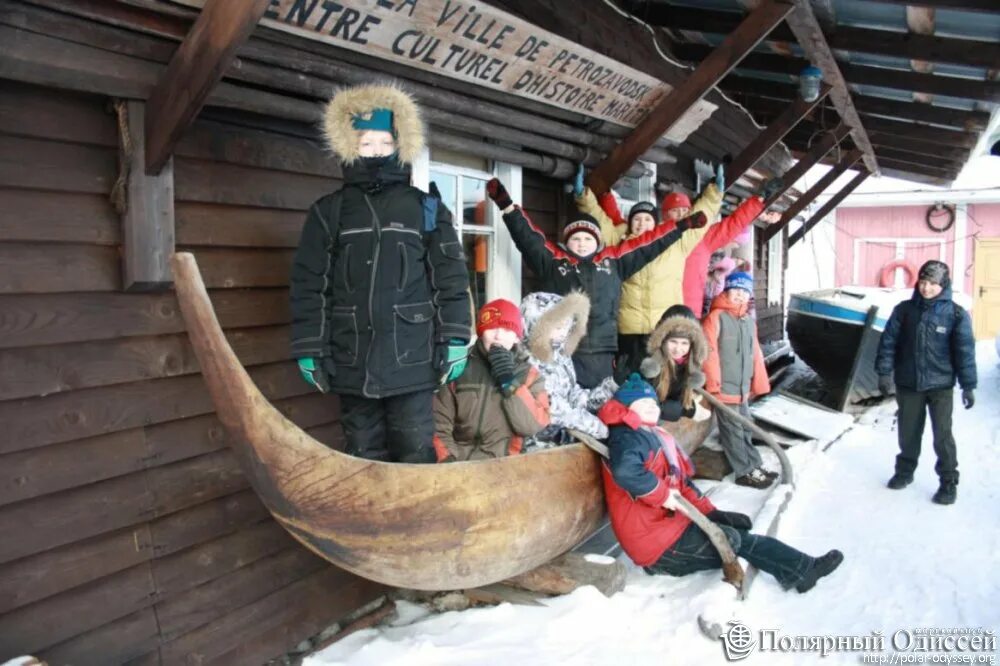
point(810, 79)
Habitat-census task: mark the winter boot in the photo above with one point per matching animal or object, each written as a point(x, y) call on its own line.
point(824, 565)
point(946, 492)
point(900, 480)
point(754, 479)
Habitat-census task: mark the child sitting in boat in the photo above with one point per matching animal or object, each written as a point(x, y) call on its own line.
point(554, 326)
point(677, 349)
point(583, 263)
point(646, 468)
point(735, 373)
point(499, 399)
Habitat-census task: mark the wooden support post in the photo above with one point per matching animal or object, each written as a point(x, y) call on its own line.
point(827, 207)
point(815, 154)
point(764, 141)
point(727, 55)
point(810, 195)
point(148, 215)
point(809, 35)
point(197, 65)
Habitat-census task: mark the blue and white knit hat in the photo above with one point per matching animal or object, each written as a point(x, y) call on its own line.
point(739, 280)
point(634, 388)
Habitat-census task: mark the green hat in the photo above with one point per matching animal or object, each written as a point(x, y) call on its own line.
point(376, 119)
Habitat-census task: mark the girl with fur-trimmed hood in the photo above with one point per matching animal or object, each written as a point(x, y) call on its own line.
point(677, 349)
point(554, 326)
point(379, 290)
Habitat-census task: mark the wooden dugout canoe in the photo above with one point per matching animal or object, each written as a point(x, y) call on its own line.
point(425, 527)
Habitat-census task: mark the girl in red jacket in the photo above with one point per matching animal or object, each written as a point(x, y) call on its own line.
point(644, 471)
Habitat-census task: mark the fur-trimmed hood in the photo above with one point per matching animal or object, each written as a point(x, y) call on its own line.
point(338, 127)
point(656, 351)
point(543, 313)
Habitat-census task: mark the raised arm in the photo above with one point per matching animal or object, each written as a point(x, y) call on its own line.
point(633, 255)
point(536, 249)
point(587, 203)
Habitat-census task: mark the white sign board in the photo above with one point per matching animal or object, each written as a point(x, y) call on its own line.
point(484, 46)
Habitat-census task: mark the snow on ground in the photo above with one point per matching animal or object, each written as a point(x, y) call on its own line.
point(908, 564)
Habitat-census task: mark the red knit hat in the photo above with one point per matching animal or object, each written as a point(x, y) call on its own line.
point(500, 313)
point(675, 200)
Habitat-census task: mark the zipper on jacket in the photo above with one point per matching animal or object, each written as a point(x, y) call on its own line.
point(482, 412)
point(377, 228)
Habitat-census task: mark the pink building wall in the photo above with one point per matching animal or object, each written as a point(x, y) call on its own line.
point(868, 238)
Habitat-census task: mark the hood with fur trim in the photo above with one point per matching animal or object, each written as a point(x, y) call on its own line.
point(688, 328)
point(338, 126)
point(544, 312)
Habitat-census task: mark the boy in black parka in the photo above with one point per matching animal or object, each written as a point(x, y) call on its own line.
point(927, 343)
point(380, 300)
point(582, 263)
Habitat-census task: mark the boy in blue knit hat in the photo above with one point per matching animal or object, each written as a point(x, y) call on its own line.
point(646, 468)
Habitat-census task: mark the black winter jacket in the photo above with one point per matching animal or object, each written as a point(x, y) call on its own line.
point(599, 276)
point(927, 343)
point(379, 283)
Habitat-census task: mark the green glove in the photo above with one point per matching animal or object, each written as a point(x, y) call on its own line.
point(314, 371)
point(452, 359)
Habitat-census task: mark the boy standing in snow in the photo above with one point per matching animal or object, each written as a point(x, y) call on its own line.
point(379, 287)
point(927, 343)
point(582, 263)
point(735, 373)
point(499, 399)
point(644, 469)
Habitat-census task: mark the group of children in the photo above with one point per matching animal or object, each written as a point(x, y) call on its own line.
point(381, 317)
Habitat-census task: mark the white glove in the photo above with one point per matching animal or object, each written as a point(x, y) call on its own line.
point(700, 412)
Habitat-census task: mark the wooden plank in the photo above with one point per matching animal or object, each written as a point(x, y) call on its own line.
point(810, 37)
point(827, 207)
point(201, 523)
point(972, 121)
point(206, 562)
point(227, 268)
point(28, 215)
point(819, 150)
point(41, 371)
point(917, 147)
point(940, 162)
point(961, 5)
point(214, 599)
point(799, 205)
point(940, 135)
point(30, 579)
point(53, 166)
point(216, 182)
point(27, 321)
point(27, 268)
point(774, 132)
point(109, 505)
point(329, 589)
point(931, 48)
point(195, 68)
point(113, 643)
point(31, 628)
point(56, 115)
point(727, 55)
point(232, 226)
point(928, 168)
point(148, 214)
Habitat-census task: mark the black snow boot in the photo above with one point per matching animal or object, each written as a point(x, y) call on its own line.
point(900, 480)
point(823, 566)
point(946, 492)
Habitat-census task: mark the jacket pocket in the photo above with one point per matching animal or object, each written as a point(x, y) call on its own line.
point(414, 333)
point(344, 335)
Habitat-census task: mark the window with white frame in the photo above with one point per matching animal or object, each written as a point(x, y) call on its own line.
point(775, 268)
point(494, 264)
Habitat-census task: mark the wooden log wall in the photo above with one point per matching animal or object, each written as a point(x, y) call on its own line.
point(129, 531)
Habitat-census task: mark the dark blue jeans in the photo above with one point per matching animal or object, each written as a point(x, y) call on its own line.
point(694, 552)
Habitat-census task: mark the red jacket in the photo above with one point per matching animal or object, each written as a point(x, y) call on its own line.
point(637, 478)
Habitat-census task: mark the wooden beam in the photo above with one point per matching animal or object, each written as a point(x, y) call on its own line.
point(774, 132)
point(799, 205)
point(919, 160)
point(148, 218)
point(815, 154)
point(918, 47)
point(827, 207)
point(973, 121)
point(917, 147)
point(197, 65)
point(985, 6)
point(927, 168)
point(922, 132)
point(737, 44)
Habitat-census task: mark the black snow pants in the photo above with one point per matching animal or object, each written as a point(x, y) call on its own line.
point(913, 408)
point(395, 429)
point(592, 367)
